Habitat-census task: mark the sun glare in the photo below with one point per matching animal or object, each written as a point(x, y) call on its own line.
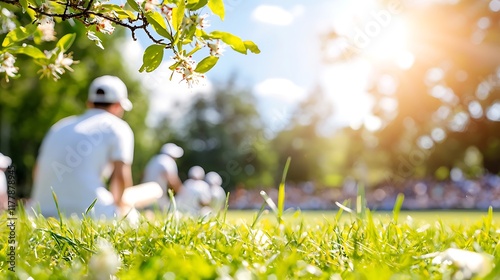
point(377, 32)
point(376, 36)
point(392, 45)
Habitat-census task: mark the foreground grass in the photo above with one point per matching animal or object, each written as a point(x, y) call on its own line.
point(294, 246)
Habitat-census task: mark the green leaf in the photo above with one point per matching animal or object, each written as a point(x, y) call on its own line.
point(217, 7)
point(122, 13)
point(152, 58)
point(196, 4)
point(200, 33)
point(178, 15)
point(195, 49)
point(18, 34)
point(24, 4)
point(158, 23)
point(251, 46)
point(188, 35)
point(174, 65)
point(206, 64)
point(66, 41)
point(134, 5)
point(29, 50)
point(31, 13)
point(232, 40)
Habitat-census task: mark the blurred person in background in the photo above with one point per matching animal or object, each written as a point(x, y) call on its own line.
point(162, 169)
point(5, 162)
point(80, 153)
point(218, 200)
point(194, 198)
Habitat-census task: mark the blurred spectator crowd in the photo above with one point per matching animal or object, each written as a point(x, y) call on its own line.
point(419, 194)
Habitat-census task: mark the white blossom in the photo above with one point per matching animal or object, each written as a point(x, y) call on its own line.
point(7, 61)
point(92, 37)
point(46, 27)
point(167, 11)
point(202, 22)
point(62, 63)
point(65, 61)
point(6, 23)
point(217, 48)
point(104, 25)
point(186, 66)
point(151, 4)
point(105, 262)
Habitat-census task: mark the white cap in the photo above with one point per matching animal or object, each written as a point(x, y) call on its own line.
point(172, 150)
point(109, 89)
point(196, 172)
point(5, 161)
point(213, 178)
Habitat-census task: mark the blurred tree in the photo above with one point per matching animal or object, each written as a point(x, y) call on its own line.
point(446, 87)
point(29, 105)
point(304, 141)
point(223, 132)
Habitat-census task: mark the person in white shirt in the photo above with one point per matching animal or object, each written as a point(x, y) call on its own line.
point(195, 195)
point(218, 194)
point(80, 153)
point(5, 161)
point(162, 169)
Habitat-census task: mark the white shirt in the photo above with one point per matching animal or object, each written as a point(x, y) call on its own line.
point(157, 168)
point(75, 158)
point(191, 197)
point(3, 183)
point(218, 197)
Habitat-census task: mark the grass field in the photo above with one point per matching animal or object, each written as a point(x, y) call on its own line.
point(466, 217)
point(255, 245)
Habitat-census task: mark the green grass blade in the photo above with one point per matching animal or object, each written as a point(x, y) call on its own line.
point(262, 208)
point(487, 221)
point(172, 200)
point(361, 201)
point(226, 206)
point(54, 196)
point(343, 207)
point(281, 190)
point(397, 206)
point(90, 207)
point(269, 202)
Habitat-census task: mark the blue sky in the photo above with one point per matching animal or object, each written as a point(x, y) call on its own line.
point(288, 67)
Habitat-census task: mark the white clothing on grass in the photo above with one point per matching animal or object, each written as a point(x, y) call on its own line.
point(157, 169)
point(193, 196)
point(218, 198)
point(76, 158)
point(218, 193)
point(5, 162)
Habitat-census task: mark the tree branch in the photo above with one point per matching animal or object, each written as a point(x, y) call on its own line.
point(85, 12)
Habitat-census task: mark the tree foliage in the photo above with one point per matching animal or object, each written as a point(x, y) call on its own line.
point(448, 98)
point(177, 26)
point(303, 141)
point(223, 132)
